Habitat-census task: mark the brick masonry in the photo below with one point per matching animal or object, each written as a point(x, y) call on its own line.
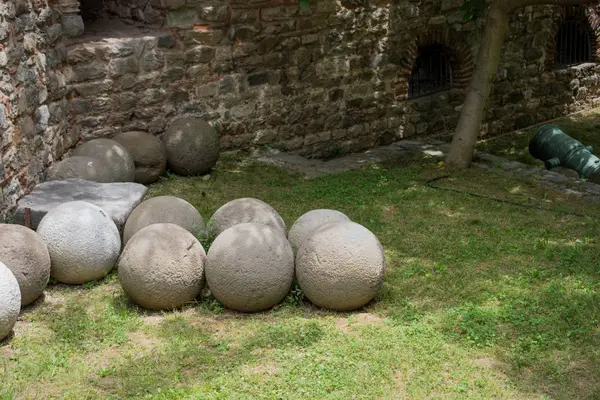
point(321, 81)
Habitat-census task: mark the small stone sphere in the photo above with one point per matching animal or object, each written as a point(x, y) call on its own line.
point(10, 301)
point(246, 210)
point(83, 242)
point(118, 160)
point(250, 267)
point(164, 209)
point(162, 267)
point(24, 252)
point(80, 167)
point(311, 221)
point(148, 152)
point(192, 146)
point(341, 266)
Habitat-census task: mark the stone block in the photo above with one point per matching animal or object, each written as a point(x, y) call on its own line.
point(116, 199)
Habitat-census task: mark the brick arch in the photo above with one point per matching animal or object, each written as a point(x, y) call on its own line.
point(458, 52)
point(587, 15)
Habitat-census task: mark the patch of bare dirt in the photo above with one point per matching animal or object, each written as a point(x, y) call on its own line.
point(140, 339)
point(360, 319)
point(264, 370)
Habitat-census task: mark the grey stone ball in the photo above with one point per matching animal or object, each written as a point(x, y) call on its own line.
point(162, 267)
point(148, 152)
point(164, 209)
point(308, 223)
point(10, 301)
point(118, 160)
point(24, 252)
point(80, 167)
point(192, 146)
point(83, 242)
point(341, 266)
point(250, 267)
point(243, 210)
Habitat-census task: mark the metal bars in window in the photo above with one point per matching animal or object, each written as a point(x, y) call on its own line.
point(432, 72)
point(573, 44)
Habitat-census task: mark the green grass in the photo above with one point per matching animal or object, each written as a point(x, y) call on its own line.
point(481, 300)
point(583, 127)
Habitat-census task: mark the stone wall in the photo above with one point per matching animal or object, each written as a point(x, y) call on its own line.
point(33, 108)
point(320, 81)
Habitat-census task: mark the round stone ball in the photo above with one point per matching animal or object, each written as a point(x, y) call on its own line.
point(83, 242)
point(148, 152)
point(79, 167)
point(192, 146)
point(162, 267)
point(308, 223)
point(250, 267)
point(164, 209)
point(24, 252)
point(341, 266)
point(244, 210)
point(10, 301)
point(118, 160)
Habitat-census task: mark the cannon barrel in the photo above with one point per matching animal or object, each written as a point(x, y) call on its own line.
point(555, 148)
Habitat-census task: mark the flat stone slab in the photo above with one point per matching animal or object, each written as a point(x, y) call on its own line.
point(117, 199)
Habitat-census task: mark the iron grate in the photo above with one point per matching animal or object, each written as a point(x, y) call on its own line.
point(573, 44)
point(432, 72)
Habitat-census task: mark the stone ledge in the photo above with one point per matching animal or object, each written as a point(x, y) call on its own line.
point(117, 199)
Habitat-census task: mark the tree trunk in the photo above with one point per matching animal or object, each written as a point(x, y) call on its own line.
point(471, 116)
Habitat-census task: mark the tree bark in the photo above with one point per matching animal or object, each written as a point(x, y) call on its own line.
point(471, 116)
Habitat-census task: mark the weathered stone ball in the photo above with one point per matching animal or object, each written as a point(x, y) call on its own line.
point(341, 266)
point(118, 160)
point(83, 242)
point(162, 267)
point(192, 146)
point(24, 252)
point(80, 167)
point(164, 209)
point(311, 221)
point(10, 301)
point(148, 152)
point(243, 210)
point(250, 267)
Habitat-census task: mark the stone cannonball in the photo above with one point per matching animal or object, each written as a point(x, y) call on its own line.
point(162, 267)
point(24, 252)
point(341, 266)
point(118, 160)
point(148, 152)
point(80, 167)
point(309, 222)
point(10, 301)
point(164, 209)
point(192, 146)
point(83, 242)
point(250, 267)
point(246, 210)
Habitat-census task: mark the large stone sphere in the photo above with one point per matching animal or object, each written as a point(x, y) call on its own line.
point(10, 301)
point(192, 146)
point(118, 160)
point(164, 209)
point(250, 267)
point(341, 266)
point(162, 267)
point(24, 252)
point(148, 152)
point(308, 223)
point(83, 242)
point(246, 210)
point(80, 167)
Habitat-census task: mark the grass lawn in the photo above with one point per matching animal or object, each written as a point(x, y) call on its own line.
point(584, 127)
point(482, 299)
